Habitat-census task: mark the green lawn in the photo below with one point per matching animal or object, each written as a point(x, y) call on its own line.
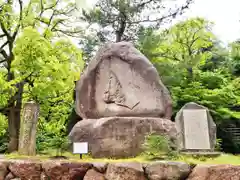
point(223, 159)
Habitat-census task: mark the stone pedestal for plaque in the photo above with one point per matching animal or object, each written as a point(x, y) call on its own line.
point(27, 138)
point(196, 130)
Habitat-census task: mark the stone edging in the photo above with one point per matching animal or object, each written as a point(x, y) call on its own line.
point(159, 170)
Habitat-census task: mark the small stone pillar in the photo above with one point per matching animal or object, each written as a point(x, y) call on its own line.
point(28, 127)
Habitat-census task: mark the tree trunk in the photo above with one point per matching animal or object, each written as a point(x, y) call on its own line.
point(118, 37)
point(122, 27)
point(15, 101)
point(13, 128)
point(14, 115)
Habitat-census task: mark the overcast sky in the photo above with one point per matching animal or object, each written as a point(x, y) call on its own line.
point(224, 13)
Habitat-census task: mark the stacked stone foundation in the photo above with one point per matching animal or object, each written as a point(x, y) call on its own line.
point(68, 170)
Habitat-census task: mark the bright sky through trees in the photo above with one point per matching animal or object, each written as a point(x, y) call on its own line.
point(224, 13)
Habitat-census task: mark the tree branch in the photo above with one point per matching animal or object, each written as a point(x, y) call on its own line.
point(20, 19)
point(47, 8)
point(65, 13)
point(68, 33)
point(28, 8)
point(171, 14)
point(42, 9)
point(2, 61)
point(55, 25)
point(164, 55)
point(49, 22)
point(4, 54)
point(2, 35)
point(4, 30)
point(144, 4)
point(3, 45)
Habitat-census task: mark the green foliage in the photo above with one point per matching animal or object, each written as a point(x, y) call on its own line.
point(195, 68)
point(156, 146)
point(218, 145)
point(61, 143)
point(235, 58)
point(3, 125)
point(37, 55)
point(3, 134)
point(51, 135)
point(182, 48)
point(50, 70)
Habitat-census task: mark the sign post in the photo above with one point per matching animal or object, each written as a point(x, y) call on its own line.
point(80, 148)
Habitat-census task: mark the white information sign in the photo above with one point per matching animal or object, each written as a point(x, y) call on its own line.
point(80, 148)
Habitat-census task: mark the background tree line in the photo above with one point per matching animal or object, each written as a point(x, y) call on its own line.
point(39, 62)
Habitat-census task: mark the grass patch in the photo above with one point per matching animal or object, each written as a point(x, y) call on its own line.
point(72, 157)
point(223, 159)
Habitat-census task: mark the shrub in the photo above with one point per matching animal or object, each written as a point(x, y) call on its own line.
point(60, 143)
point(51, 136)
point(218, 145)
point(156, 146)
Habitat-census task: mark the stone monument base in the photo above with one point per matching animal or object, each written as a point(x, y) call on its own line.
point(119, 137)
point(207, 154)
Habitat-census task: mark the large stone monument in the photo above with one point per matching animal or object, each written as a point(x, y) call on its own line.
point(196, 129)
point(121, 99)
